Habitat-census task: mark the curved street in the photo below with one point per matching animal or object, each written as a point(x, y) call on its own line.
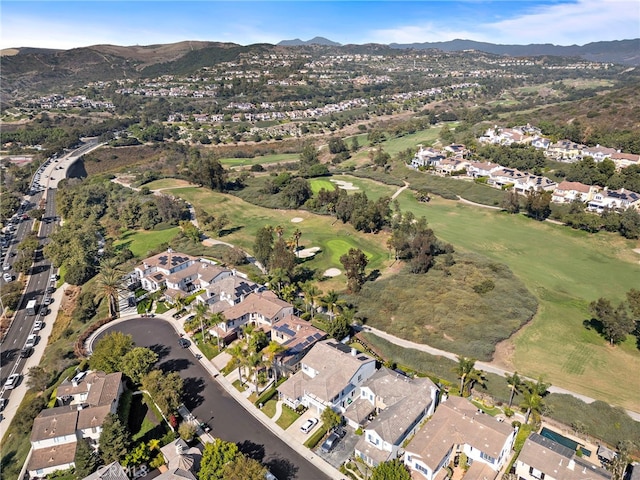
point(210, 403)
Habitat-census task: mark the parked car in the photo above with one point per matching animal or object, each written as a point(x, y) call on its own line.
point(3, 403)
point(26, 352)
point(184, 343)
point(6, 267)
point(308, 425)
point(12, 381)
point(7, 277)
point(31, 341)
point(51, 289)
point(37, 325)
point(330, 442)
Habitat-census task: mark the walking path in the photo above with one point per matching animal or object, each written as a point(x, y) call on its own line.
point(276, 415)
point(269, 423)
point(485, 366)
point(400, 190)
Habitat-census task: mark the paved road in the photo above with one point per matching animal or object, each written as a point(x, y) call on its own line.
point(209, 402)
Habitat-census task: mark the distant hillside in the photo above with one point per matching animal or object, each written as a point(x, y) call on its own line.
point(625, 52)
point(314, 41)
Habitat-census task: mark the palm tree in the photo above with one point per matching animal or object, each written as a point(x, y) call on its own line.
point(216, 319)
point(532, 403)
point(468, 374)
point(296, 236)
point(279, 230)
point(109, 285)
point(239, 356)
point(311, 292)
point(515, 384)
point(178, 302)
point(255, 363)
point(331, 301)
point(271, 352)
point(278, 277)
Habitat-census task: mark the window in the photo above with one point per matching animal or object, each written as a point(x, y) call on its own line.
point(421, 468)
point(486, 457)
point(536, 473)
point(360, 377)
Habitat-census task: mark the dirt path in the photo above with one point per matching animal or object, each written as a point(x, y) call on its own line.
point(400, 190)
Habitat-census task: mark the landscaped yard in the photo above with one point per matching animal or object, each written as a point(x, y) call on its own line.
point(287, 417)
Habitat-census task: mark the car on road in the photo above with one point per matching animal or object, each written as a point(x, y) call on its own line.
point(7, 277)
point(3, 403)
point(37, 325)
point(12, 381)
point(308, 425)
point(183, 342)
point(26, 352)
point(6, 267)
point(330, 442)
point(50, 289)
point(31, 341)
point(54, 277)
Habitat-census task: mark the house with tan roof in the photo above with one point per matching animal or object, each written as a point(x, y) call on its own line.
point(227, 291)
point(455, 428)
point(297, 336)
point(537, 183)
point(614, 200)
point(624, 160)
point(329, 376)
point(262, 308)
point(598, 153)
point(450, 165)
point(482, 169)
point(542, 458)
point(427, 157)
point(400, 404)
point(565, 151)
point(567, 192)
point(505, 177)
point(85, 401)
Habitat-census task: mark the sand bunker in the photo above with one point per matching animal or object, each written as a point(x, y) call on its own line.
point(344, 185)
point(332, 272)
point(297, 219)
point(307, 252)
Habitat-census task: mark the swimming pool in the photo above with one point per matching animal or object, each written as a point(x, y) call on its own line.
point(562, 440)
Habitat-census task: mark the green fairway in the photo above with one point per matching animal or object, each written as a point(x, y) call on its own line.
point(141, 242)
point(332, 237)
point(566, 269)
point(318, 184)
point(266, 159)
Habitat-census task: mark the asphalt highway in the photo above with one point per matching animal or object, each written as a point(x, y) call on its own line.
point(208, 401)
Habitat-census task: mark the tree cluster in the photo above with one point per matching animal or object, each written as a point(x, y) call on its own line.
point(412, 240)
point(521, 157)
point(222, 460)
point(366, 215)
point(616, 322)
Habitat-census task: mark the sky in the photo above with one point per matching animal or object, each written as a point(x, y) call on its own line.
point(78, 23)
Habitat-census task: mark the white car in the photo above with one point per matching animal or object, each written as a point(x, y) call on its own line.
point(31, 341)
point(6, 267)
point(308, 425)
point(7, 277)
point(37, 325)
point(12, 381)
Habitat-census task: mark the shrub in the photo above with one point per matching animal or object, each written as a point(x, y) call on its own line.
point(315, 438)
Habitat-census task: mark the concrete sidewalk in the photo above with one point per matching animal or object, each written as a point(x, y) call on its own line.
point(239, 397)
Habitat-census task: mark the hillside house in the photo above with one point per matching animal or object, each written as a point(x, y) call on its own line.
point(624, 160)
point(457, 427)
point(598, 153)
point(544, 459)
point(400, 404)
point(85, 401)
point(614, 200)
point(329, 376)
point(297, 336)
point(482, 169)
point(565, 151)
point(427, 157)
point(567, 192)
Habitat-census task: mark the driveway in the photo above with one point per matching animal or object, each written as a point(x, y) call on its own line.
point(209, 402)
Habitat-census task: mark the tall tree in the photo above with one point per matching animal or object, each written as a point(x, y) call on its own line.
point(515, 385)
point(114, 439)
point(354, 262)
point(331, 301)
point(109, 351)
point(616, 323)
point(330, 418)
point(86, 459)
point(282, 257)
point(630, 223)
point(272, 351)
point(240, 358)
point(311, 293)
point(538, 204)
point(468, 374)
point(263, 245)
point(244, 468)
point(392, 470)
point(38, 378)
point(165, 389)
point(109, 284)
point(215, 456)
point(138, 362)
point(511, 201)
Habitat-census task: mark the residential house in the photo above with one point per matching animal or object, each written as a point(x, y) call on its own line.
point(400, 403)
point(565, 151)
point(329, 376)
point(482, 169)
point(624, 160)
point(227, 291)
point(297, 337)
point(427, 157)
point(544, 459)
point(458, 427)
point(540, 143)
point(598, 153)
point(450, 165)
point(457, 149)
point(112, 471)
point(567, 192)
point(262, 308)
point(505, 177)
point(614, 200)
point(178, 273)
point(534, 183)
point(86, 400)
point(181, 460)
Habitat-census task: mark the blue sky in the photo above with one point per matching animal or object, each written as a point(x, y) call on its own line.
point(70, 24)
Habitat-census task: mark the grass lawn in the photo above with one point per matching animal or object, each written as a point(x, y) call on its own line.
point(287, 417)
point(167, 183)
point(566, 269)
point(264, 160)
point(269, 408)
point(240, 386)
point(140, 242)
point(333, 237)
point(144, 422)
point(318, 184)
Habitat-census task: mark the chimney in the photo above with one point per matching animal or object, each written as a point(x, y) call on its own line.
point(354, 352)
point(298, 327)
